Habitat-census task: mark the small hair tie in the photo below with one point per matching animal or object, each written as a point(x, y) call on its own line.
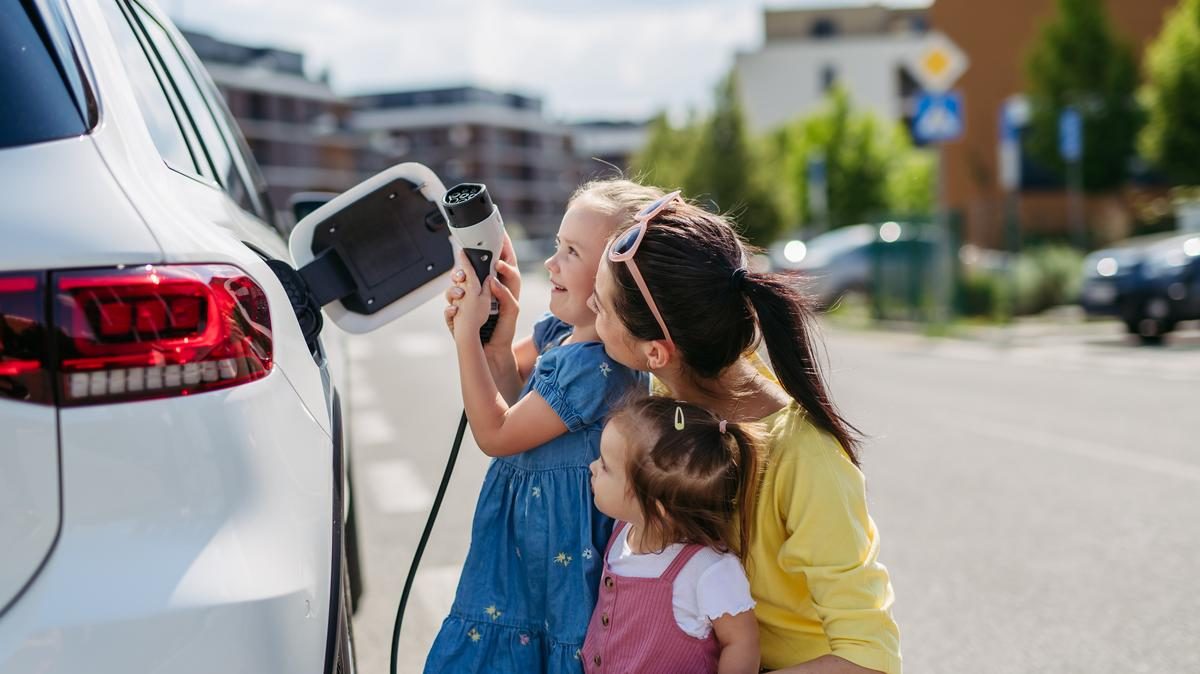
point(737, 281)
point(724, 424)
point(678, 418)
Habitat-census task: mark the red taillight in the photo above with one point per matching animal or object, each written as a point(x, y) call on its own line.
point(158, 331)
point(23, 339)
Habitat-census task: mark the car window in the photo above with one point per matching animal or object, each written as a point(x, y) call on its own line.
point(842, 239)
point(153, 100)
point(36, 104)
point(211, 140)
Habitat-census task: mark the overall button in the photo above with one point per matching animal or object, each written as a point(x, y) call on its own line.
point(608, 581)
point(604, 619)
point(596, 660)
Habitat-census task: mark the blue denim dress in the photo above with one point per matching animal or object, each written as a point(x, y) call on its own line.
point(529, 582)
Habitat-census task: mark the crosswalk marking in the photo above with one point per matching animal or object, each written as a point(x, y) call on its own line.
point(372, 427)
point(423, 344)
point(397, 488)
point(435, 587)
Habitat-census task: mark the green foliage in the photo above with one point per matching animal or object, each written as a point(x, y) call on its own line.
point(1043, 277)
point(727, 170)
point(911, 180)
point(1171, 139)
point(871, 166)
point(714, 161)
point(666, 158)
point(1079, 61)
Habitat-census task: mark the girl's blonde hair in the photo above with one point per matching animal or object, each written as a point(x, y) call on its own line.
point(618, 199)
point(694, 481)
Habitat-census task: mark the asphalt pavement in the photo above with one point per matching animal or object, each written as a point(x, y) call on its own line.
point(1038, 491)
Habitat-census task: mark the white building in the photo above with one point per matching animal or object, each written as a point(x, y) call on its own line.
point(861, 49)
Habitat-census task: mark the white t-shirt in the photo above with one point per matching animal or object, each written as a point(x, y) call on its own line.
point(710, 585)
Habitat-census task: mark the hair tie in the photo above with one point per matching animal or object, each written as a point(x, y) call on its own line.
point(737, 281)
point(724, 424)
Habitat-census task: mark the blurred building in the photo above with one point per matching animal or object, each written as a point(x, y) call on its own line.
point(469, 133)
point(298, 129)
point(606, 148)
point(996, 37)
point(807, 51)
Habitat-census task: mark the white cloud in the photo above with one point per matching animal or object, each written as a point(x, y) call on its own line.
point(619, 58)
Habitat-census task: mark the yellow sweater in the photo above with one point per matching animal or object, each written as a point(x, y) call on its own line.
point(814, 558)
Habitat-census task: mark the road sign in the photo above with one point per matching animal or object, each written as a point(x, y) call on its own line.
point(939, 117)
point(937, 63)
point(1070, 134)
point(1014, 116)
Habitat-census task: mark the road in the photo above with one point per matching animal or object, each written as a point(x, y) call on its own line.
point(1038, 497)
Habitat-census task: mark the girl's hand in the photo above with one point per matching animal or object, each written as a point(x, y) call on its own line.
point(510, 277)
point(474, 306)
point(507, 268)
point(454, 295)
point(506, 288)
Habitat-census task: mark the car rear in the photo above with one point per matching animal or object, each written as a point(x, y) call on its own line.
point(166, 494)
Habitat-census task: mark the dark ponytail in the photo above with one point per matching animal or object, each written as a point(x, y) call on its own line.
point(786, 323)
point(690, 259)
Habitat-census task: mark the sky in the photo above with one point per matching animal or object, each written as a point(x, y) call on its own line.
point(599, 59)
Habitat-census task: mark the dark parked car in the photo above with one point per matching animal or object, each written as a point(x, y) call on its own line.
point(1151, 283)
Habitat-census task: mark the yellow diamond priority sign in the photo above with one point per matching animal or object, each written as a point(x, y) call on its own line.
point(937, 63)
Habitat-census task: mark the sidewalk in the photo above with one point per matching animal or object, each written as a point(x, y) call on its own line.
point(1061, 324)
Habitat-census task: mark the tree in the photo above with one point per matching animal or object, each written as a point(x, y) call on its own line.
point(727, 169)
point(858, 152)
point(666, 158)
point(1078, 61)
point(1171, 139)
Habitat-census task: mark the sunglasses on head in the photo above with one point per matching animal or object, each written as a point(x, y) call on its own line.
point(626, 246)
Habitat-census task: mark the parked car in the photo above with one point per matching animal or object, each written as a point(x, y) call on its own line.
point(1151, 283)
point(831, 264)
point(891, 259)
point(174, 494)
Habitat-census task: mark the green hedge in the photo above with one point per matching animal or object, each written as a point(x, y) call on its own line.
point(1045, 276)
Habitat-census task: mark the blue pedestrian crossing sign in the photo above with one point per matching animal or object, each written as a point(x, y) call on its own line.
point(939, 117)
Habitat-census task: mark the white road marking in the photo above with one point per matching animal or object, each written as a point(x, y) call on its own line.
point(423, 344)
point(435, 587)
point(1091, 450)
point(372, 428)
point(364, 394)
point(397, 488)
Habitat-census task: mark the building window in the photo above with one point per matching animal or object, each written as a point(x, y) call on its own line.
point(823, 28)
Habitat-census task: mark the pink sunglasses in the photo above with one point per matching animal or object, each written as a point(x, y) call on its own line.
point(624, 248)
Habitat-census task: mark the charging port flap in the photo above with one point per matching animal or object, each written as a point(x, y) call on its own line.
point(378, 250)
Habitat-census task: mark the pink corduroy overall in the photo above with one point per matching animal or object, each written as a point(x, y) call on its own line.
point(633, 628)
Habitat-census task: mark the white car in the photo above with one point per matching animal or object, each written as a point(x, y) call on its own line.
point(174, 494)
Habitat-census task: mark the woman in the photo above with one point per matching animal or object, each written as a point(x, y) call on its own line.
point(674, 298)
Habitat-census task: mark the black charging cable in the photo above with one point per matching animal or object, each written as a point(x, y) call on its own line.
point(437, 504)
point(485, 334)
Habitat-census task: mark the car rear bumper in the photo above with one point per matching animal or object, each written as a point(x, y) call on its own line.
point(196, 537)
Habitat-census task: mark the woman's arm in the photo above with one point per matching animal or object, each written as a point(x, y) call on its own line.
point(832, 544)
point(738, 636)
point(827, 664)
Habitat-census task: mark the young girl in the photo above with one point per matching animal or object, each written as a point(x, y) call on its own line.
point(674, 297)
point(674, 598)
point(530, 577)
